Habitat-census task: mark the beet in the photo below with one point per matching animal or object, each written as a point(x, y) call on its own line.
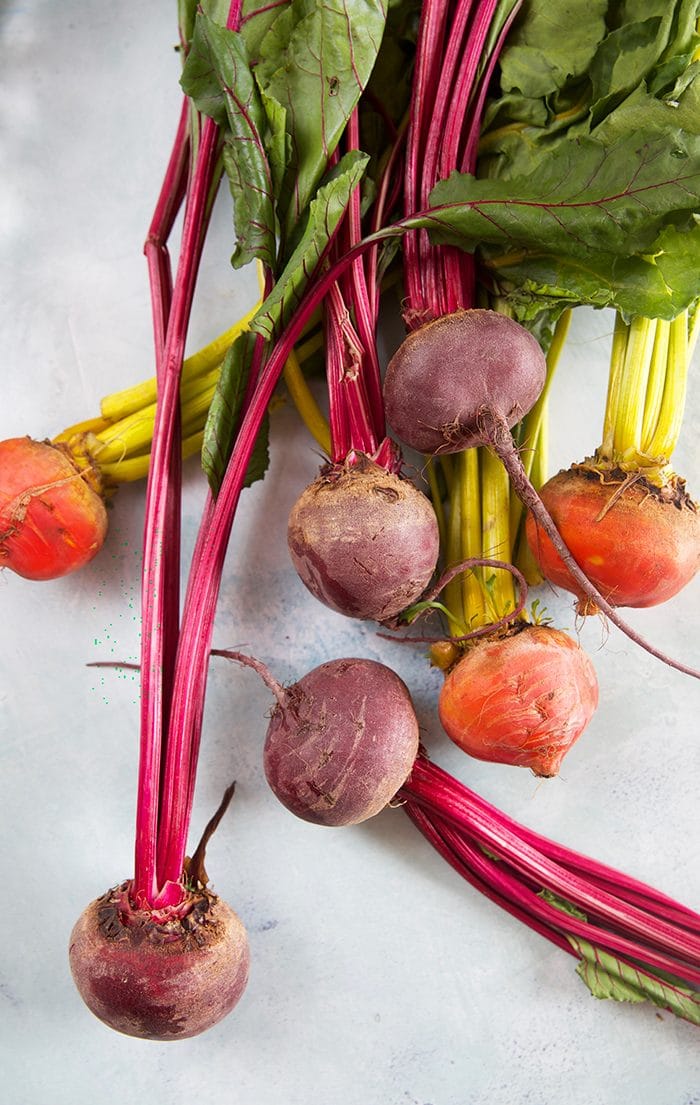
point(597, 513)
point(363, 540)
point(52, 521)
point(159, 977)
point(341, 742)
point(444, 375)
point(522, 699)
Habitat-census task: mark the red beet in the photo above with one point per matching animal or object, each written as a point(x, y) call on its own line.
point(160, 976)
point(522, 699)
point(445, 375)
point(52, 521)
point(341, 742)
point(364, 541)
point(637, 543)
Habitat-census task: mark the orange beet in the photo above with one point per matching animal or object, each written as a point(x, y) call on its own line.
point(640, 551)
point(522, 699)
point(51, 520)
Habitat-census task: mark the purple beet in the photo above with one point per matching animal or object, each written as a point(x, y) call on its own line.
point(341, 742)
point(160, 976)
point(363, 540)
point(445, 375)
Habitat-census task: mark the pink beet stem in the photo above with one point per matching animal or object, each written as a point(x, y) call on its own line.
point(387, 195)
point(365, 314)
point(161, 527)
point(456, 806)
point(425, 78)
point(426, 825)
point(169, 201)
point(535, 908)
point(356, 406)
point(608, 877)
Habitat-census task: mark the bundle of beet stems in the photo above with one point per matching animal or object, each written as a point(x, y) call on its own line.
point(633, 942)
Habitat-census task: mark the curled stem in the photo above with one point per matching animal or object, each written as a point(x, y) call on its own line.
point(272, 684)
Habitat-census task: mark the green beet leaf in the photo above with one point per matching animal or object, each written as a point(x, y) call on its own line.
point(551, 43)
point(590, 224)
point(315, 60)
point(585, 198)
point(257, 16)
point(225, 414)
point(610, 978)
point(325, 212)
point(631, 53)
point(219, 79)
point(658, 285)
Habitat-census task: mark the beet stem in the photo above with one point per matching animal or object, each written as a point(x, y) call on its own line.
point(160, 587)
point(161, 287)
point(467, 814)
point(537, 907)
point(280, 692)
point(484, 562)
point(426, 825)
point(618, 883)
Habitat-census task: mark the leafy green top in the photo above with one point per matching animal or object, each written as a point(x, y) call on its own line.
point(589, 161)
point(281, 90)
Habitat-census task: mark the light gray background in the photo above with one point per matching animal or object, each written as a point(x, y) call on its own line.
point(378, 977)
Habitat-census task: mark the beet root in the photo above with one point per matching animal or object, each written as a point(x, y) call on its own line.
point(341, 742)
point(159, 977)
point(447, 373)
point(638, 544)
point(364, 541)
point(52, 522)
point(523, 699)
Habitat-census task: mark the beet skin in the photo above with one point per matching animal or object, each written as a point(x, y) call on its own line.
point(341, 742)
point(364, 541)
point(522, 699)
point(51, 520)
point(445, 375)
point(154, 978)
point(638, 544)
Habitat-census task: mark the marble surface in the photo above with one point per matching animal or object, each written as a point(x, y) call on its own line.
point(378, 977)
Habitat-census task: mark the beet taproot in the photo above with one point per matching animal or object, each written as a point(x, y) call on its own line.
point(156, 976)
point(52, 521)
point(638, 544)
